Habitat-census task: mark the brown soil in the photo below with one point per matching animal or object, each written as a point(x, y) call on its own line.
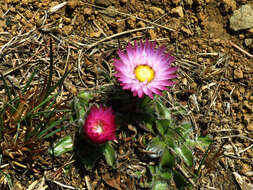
point(215, 80)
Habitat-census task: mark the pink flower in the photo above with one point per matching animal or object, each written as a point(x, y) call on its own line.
point(143, 69)
point(99, 125)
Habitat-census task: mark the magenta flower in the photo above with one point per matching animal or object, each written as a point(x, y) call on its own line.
point(144, 69)
point(99, 125)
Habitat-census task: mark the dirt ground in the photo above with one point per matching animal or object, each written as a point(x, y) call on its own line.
point(215, 79)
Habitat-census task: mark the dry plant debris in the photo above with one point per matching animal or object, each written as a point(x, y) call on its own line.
point(215, 81)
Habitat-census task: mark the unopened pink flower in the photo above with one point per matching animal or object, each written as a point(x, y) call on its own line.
point(99, 125)
point(145, 69)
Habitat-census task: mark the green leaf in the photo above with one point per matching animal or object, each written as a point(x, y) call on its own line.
point(29, 80)
point(109, 154)
point(78, 110)
point(160, 185)
point(152, 170)
point(179, 180)
point(166, 175)
point(88, 153)
point(156, 147)
point(185, 130)
point(186, 154)
point(162, 110)
point(200, 141)
point(51, 126)
point(8, 179)
point(162, 126)
point(170, 139)
point(167, 159)
point(7, 89)
point(84, 97)
point(62, 146)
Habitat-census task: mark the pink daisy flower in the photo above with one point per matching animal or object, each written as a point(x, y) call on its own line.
point(143, 69)
point(99, 125)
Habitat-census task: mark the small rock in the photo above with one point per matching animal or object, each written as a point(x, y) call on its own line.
point(123, 1)
point(155, 2)
point(250, 32)
point(245, 169)
point(67, 29)
point(176, 2)
point(178, 11)
point(121, 25)
point(188, 2)
point(238, 74)
point(72, 4)
point(152, 34)
point(241, 36)
point(95, 34)
point(229, 5)
point(103, 3)
point(141, 24)
point(250, 127)
point(131, 22)
point(157, 10)
point(87, 11)
point(248, 41)
point(242, 18)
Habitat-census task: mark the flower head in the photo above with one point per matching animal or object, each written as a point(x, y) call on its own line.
point(99, 125)
point(143, 69)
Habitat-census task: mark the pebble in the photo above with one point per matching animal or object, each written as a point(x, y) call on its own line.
point(123, 1)
point(250, 127)
point(248, 41)
point(176, 2)
point(245, 169)
point(238, 74)
point(131, 22)
point(229, 5)
point(87, 11)
point(67, 29)
point(178, 11)
point(103, 3)
point(242, 18)
point(141, 24)
point(95, 34)
point(72, 4)
point(157, 10)
point(188, 2)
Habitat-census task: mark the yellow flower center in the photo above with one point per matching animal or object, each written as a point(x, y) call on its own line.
point(144, 73)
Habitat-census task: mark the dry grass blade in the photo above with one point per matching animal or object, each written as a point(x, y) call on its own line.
point(118, 34)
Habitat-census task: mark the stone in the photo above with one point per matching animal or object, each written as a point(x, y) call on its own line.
point(67, 29)
point(176, 2)
point(245, 169)
point(188, 2)
point(72, 4)
point(178, 11)
point(87, 11)
point(242, 18)
point(238, 74)
point(103, 3)
point(141, 24)
point(250, 127)
point(229, 5)
point(248, 41)
point(157, 10)
point(95, 34)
